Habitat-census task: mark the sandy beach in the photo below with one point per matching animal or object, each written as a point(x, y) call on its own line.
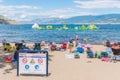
point(62, 68)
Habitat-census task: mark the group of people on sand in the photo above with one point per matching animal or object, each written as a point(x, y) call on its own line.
point(113, 49)
point(74, 46)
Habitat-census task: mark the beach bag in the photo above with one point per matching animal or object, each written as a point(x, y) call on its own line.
point(58, 48)
point(76, 56)
point(37, 46)
point(8, 59)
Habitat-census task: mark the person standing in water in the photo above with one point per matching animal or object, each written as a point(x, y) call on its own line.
point(76, 40)
point(4, 43)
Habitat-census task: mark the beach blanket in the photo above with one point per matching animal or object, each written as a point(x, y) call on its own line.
point(69, 56)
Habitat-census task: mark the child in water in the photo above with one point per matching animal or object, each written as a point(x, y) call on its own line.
point(85, 40)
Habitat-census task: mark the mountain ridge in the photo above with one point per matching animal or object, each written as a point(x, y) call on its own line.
point(106, 18)
point(4, 20)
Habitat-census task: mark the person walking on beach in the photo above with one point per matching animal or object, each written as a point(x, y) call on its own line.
point(71, 44)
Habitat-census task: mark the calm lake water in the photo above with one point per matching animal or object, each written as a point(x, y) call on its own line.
point(16, 33)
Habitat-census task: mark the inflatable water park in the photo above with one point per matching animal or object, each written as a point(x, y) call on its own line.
point(65, 27)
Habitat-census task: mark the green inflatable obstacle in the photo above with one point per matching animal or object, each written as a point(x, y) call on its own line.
point(92, 27)
point(65, 27)
point(49, 27)
point(39, 28)
point(83, 27)
point(76, 28)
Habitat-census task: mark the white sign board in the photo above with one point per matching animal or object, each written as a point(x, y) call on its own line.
point(32, 63)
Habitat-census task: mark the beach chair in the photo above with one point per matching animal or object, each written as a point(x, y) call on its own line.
point(64, 46)
point(9, 47)
point(90, 54)
point(19, 46)
point(116, 53)
point(98, 54)
point(80, 49)
point(53, 47)
point(104, 54)
point(37, 46)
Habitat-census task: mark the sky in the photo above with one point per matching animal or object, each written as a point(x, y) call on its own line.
point(27, 10)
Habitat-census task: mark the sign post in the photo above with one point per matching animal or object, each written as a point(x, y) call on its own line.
point(32, 62)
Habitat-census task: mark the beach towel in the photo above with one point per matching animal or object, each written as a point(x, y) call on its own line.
point(105, 59)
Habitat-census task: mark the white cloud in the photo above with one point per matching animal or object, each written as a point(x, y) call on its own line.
point(17, 12)
point(93, 4)
point(23, 16)
point(16, 7)
point(26, 7)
